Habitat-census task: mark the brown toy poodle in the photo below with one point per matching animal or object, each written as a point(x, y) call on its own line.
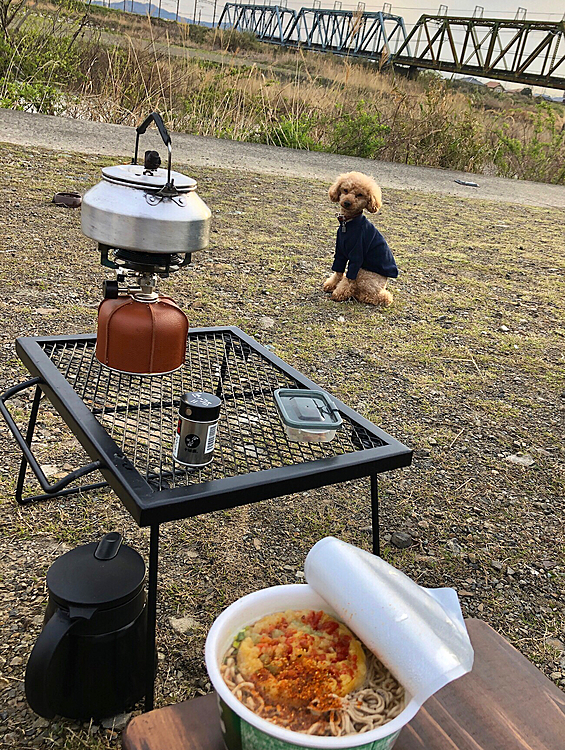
point(359, 245)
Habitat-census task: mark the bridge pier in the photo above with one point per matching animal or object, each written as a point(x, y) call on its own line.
point(406, 71)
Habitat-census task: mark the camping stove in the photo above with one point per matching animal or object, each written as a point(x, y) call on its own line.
point(147, 221)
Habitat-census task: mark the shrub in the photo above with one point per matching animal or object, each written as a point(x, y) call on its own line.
point(31, 97)
point(538, 154)
point(292, 132)
point(236, 41)
point(36, 56)
point(315, 102)
point(217, 105)
point(358, 133)
point(198, 34)
point(440, 131)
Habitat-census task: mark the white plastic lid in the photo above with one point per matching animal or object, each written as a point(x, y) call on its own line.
point(418, 633)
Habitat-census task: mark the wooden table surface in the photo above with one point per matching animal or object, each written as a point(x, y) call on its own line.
point(504, 703)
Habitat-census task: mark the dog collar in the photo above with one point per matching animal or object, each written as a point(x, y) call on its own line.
point(343, 220)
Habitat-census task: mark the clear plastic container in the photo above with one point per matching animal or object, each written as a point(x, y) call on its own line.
point(307, 416)
point(298, 435)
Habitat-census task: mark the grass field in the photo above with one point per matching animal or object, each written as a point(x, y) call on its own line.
point(467, 368)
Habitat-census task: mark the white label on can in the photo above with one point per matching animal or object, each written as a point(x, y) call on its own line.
point(211, 439)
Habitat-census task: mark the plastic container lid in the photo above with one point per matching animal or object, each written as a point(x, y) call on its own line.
point(418, 633)
point(307, 410)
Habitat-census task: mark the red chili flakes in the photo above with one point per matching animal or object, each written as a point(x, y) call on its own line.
point(300, 682)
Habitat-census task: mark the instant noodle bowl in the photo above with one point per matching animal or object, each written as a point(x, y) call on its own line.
point(245, 730)
point(305, 671)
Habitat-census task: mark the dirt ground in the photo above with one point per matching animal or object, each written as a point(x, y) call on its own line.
point(466, 368)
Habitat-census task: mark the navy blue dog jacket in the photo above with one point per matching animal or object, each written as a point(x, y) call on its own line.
point(361, 244)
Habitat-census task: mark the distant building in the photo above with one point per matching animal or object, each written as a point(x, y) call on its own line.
point(471, 80)
point(495, 86)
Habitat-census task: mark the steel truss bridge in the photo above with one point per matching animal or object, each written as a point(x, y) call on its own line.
point(528, 52)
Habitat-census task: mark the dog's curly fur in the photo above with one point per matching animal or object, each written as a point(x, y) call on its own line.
point(356, 192)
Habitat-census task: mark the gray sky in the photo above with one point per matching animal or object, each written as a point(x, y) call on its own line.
point(544, 10)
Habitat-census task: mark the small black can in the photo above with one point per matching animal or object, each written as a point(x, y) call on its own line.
point(196, 429)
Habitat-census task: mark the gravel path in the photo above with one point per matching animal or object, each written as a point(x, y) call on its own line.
point(64, 134)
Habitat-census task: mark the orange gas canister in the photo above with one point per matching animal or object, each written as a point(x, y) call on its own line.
point(142, 338)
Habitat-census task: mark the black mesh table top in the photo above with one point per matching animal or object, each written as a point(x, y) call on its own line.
point(128, 423)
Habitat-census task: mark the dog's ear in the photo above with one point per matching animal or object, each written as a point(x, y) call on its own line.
point(375, 199)
point(333, 192)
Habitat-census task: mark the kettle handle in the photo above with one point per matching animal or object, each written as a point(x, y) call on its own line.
point(38, 689)
point(158, 120)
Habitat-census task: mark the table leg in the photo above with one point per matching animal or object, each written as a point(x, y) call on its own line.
point(151, 619)
point(29, 438)
point(375, 514)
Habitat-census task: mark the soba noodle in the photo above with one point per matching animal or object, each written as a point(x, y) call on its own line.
point(379, 700)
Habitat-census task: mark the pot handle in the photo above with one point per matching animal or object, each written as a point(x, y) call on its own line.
point(158, 120)
point(38, 686)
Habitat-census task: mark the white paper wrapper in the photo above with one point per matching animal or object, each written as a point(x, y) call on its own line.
point(418, 633)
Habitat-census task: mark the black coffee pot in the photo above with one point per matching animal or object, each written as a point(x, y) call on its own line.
point(89, 659)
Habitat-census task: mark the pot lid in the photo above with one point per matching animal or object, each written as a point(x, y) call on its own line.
point(307, 409)
point(102, 574)
point(136, 176)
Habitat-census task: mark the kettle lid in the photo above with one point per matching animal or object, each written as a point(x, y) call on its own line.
point(102, 574)
point(136, 176)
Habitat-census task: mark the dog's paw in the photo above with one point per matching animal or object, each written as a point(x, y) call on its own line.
point(382, 299)
point(386, 298)
point(340, 297)
point(342, 292)
point(331, 282)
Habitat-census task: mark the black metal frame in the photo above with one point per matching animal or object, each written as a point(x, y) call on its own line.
point(151, 507)
point(51, 490)
point(492, 47)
